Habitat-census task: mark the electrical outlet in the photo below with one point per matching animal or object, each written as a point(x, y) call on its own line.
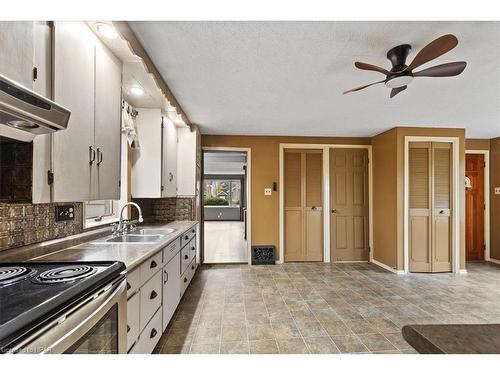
point(497, 191)
point(65, 212)
point(268, 191)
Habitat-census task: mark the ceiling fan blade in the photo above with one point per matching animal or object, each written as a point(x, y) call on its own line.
point(443, 70)
point(433, 50)
point(363, 87)
point(365, 66)
point(397, 90)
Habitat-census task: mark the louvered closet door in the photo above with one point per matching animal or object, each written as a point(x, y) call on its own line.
point(303, 205)
point(430, 198)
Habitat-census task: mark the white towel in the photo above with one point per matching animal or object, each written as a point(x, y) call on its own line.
point(128, 128)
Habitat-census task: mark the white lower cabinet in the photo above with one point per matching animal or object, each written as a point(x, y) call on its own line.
point(154, 290)
point(171, 288)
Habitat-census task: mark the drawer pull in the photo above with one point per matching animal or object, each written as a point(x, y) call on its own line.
point(185, 279)
point(186, 256)
point(192, 230)
point(165, 278)
point(193, 248)
point(192, 267)
point(186, 237)
point(153, 295)
point(154, 332)
point(153, 264)
point(128, 286)
point(128, 328)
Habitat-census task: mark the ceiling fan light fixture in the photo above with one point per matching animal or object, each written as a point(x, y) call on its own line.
point(399, 81)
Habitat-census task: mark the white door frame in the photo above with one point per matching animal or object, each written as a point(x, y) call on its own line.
point(456, 196)
point(486, 154)
point(248, 191)
point(326, 194)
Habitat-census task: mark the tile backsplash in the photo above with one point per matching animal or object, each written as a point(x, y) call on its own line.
point(25, 224)
point(167, 209)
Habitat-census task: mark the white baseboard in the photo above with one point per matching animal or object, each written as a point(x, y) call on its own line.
point(386, 267)
point(462, 272)
point(494, 261)
point(350, 261)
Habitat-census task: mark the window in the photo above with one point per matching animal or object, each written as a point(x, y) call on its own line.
point(101, 212)
point(222, 193)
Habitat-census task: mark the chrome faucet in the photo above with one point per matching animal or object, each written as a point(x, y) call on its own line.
point(122, 227)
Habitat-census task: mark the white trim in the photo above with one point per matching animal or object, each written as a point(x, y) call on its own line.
point(349, 261)
point(386, 267)
point(326, 194)
point(248, 150)
point(463, 272)
point(486, 154)
point(457, 192)
point(493, 260)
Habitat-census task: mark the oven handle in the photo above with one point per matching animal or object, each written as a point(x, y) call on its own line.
point(83, 316)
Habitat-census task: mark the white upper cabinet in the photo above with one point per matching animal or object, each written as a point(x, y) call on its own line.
point(147, 160)
point(87, 81)
point(73, 153)
point(169, 179)
point(186, 162)
point(108, 96)
point(18, 39)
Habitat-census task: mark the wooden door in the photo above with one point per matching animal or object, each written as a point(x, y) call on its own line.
point(474, 207)
point(430, 202)
point(108, 97)
point(303, 205)
point(349, 205)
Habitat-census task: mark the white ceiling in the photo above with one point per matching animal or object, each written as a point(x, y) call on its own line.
point(287, 78)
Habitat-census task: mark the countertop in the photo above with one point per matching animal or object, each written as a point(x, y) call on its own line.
point(131, 254)
point(454, 338)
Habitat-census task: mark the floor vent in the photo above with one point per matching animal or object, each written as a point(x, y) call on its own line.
point(263, 255)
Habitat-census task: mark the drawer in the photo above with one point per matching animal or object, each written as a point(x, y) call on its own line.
point(133, 281)
point(151, 266)
point(185, 258)
point(170, 250)
point(150, 298)
point(188, 276)
point(133, 318)
point(192, 248)
point(187, 236)
point(149, 337)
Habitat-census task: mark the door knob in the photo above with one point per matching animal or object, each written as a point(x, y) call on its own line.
point(441, 212)
point(334, 211)
point(313, 208)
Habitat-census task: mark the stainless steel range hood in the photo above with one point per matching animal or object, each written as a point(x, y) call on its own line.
point(25, 114)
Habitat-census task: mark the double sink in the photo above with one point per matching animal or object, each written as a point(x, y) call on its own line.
point(142, 236)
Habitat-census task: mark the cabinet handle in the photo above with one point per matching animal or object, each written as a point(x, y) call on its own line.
point(186, 256)
point(153, 264)
point(91, 155)
point(170, 176)
point(192, 230)
point(185, 279)
point(100, 156)
point(165, 279)
point(192, 267)
point(128, 328)
point(154, 332)
point(187, 237)
point(153, 295)
point(193, 248)
point(128, 286)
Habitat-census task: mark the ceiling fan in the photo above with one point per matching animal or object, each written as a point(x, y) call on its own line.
point(401, 74)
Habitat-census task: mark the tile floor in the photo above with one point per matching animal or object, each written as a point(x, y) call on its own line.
point(225, 242)
point(322, 308)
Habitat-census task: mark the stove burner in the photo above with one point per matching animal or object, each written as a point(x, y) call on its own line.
point(12, 274)
point(65, 274)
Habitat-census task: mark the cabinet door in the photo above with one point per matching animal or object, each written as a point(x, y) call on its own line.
point(43, 86)
point(169, 159)
point(17, 64)
point(146, 161)
point(171, 288)
point(108, 79)
point(74, 52)
point(186, 162)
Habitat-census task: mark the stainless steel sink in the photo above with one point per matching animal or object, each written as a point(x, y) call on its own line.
point(153, 231)
point(136, 238)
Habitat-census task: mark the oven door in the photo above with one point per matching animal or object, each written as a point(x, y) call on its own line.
point(97, 325)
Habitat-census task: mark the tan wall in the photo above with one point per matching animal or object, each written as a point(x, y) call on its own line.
point(477, 144)
point(265, 171)
point(384, 154)
point(495, 199)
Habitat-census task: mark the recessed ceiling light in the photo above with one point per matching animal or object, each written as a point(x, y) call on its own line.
point(106, 31)
point(136, 91)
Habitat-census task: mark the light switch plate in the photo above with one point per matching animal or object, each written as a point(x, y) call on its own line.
point(497, 191)
point(268, 191)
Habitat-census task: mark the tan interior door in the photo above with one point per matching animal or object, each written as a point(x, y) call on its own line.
point(349, 205)
point(430, 202)
point(303, 205)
